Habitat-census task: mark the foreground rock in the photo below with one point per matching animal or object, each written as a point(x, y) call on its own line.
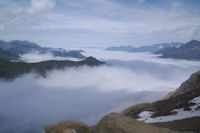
point(111, 123)
point(68, 127)
point(116, 123)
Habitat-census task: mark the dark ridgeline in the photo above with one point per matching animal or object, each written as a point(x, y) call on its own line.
point(11, 70)
point(175, 50)
point(188, 51)
point(151, 48)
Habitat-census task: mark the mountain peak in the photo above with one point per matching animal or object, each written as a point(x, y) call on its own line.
point(92, 61)
point(90, 58)
point(188, 51)
point(20, 47)
point(2, 41)
point(193, 43)
point(23, 42)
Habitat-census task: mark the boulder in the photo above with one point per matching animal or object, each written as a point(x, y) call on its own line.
point(116, 123)
point(68, 127)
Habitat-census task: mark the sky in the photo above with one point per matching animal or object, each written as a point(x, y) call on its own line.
point(99, 23)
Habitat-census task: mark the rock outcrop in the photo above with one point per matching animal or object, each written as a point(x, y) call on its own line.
point(116, 123)
point(180, 100)
point(68, 127)
point(111, 123)
point(191, 84)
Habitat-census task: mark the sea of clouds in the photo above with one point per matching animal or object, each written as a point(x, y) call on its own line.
point(87, 93)
point(36, 56)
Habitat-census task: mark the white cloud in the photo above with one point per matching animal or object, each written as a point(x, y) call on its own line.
point(104, 78)
point(141, 1)
point(36, 56)
point(95, 16)
point(119, 21)
point(144, 56)
point(40, 5)
point(179, 34)
point(46, 106)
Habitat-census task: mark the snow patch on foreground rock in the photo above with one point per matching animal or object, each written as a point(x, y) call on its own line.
point(181, 114)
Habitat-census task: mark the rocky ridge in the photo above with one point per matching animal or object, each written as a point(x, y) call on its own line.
point(111, 123)
point(184, 100)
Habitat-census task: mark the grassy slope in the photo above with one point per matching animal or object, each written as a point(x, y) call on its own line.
point(10, 70)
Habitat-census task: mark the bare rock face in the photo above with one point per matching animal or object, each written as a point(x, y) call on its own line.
point(68, 127)
point(178, 99)
point(116, 123)
point(189, 85)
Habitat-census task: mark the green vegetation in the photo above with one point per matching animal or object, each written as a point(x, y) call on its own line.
point(135, 110)
point(11, 70)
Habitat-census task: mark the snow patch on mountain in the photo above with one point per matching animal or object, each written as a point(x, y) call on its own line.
point(179, 113)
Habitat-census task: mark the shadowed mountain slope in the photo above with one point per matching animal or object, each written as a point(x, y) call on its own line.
point(151, 48)
point(189, 51)
point(174, 110)
point(18, 47)
point(10, 70)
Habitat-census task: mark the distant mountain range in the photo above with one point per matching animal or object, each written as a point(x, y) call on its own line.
point(189, 51)
point(8, 55)
point(179, 110)
point(177, 50)
point(10, 70)
point(152, 48)
point(13, 49)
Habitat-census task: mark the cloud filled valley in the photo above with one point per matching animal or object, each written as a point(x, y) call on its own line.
point(107, 79)
point(99, 66)
point(36, 56)
point(87, 93)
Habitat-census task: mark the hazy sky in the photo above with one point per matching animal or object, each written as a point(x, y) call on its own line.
point(74, 23)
